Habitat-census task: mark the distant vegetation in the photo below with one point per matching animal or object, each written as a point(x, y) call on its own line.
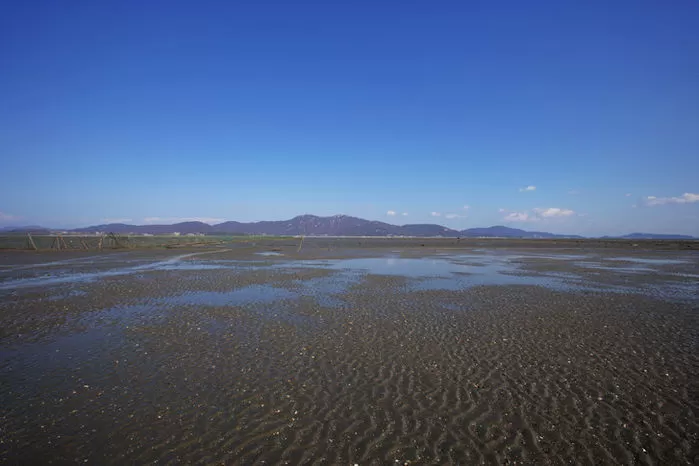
point(312, 225)
point(303, 225)
point(115, 241)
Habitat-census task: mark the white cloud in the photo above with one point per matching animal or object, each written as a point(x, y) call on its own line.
point(466, 207)
point(536, 214)
point(527, 188)
point(391, 213)
point(686, 198)
point(452, 216)
point(404, 214)
point(553, 212)
point(502, 210)
point(116, 220)
point(435, 214)
point(628, 194)
point(167, 220)
point(519, 217)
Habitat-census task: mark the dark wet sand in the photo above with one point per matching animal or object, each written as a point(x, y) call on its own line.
point(537, 357)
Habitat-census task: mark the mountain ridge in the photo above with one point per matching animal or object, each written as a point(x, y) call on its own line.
point(336, 225)
point(651, 236)
point(312, 225)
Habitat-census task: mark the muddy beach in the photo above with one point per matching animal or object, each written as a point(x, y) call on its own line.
point(344, 353)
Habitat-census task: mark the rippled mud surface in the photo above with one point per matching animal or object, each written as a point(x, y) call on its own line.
point(348, 356)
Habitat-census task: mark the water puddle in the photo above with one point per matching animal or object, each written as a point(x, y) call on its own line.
point(463, 271)
point(454, 272)
point(399, 266)
point(642, 260)
point(254, 294)
point(685, 275)
point(465, 282)
point(557, 257)
point(174, 264)
point(129, 314)
point(327, 291)
point(619, 268)
point(70, 262)
point(260, 297)
point(442, 271)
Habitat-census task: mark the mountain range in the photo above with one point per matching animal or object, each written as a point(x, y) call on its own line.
point(337, 225)
point(312, 225)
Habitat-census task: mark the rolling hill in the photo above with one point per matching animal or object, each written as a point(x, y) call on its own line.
point(336, 225)
point(312, 225)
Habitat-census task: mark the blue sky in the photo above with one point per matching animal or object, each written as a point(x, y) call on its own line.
point(160, 111)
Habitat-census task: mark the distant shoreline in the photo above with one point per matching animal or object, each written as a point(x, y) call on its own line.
point(75, 243)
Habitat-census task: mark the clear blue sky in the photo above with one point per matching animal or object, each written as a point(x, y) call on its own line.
point(164, 110)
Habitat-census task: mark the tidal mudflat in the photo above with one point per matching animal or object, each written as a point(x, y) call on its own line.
point(344, 355)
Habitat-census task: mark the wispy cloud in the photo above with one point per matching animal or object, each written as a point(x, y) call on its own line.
point(404, 214)
point(553, 212)
point(167, 220)
point(527, 188)
point(391, 213)
point(466, 207)
point(435, 214)
point(686, 198)
point(537, 214)
point(628, 194)
point(519, 217)
point(452, 216)
point(116, 220)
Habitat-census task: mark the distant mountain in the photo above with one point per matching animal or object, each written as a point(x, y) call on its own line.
point(654, 236)
point(337, 225)
point(121, 228)
point(25, 229)
point(428, 230)
point(110, 227)
point(500, 231)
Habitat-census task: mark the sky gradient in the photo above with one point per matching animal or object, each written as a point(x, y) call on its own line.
point(576, 117)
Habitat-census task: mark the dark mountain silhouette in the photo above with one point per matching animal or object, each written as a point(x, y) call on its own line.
point(428, 230)
point(653, 236)
point(121, 228)
point(337, 225)
point(25, 229)
point(500, 231)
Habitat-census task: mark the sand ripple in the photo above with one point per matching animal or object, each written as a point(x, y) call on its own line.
point(385, 374)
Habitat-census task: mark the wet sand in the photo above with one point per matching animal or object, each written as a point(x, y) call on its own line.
point(345, 353)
